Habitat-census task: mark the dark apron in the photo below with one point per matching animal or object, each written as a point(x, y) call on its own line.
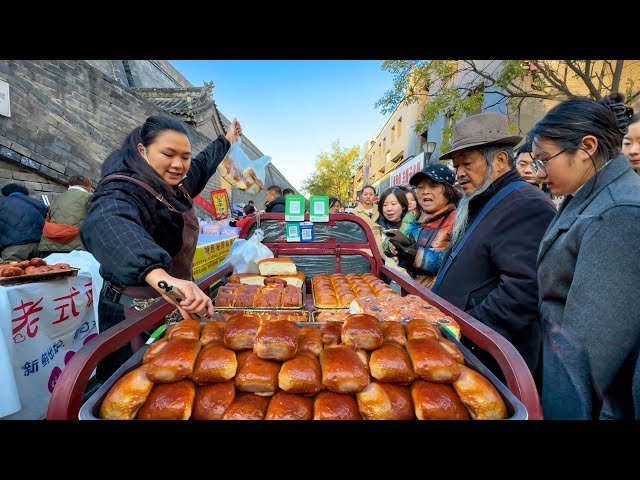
point(181, 262)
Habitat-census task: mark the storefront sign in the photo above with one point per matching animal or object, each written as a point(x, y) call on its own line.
point(209, 256)
point(402, 174)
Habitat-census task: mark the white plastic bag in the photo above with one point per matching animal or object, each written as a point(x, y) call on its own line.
point(241, 172)
point(244, 254)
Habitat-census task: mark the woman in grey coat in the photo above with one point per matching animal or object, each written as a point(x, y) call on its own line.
point(587, 264)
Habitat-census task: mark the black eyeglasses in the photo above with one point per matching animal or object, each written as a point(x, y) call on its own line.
point(539, 165)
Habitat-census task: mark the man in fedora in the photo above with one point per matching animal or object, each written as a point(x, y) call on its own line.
point(489, 270)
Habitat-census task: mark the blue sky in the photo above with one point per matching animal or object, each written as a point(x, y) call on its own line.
point(293, 110)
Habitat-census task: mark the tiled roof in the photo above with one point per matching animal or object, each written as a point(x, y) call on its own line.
point(180, 101)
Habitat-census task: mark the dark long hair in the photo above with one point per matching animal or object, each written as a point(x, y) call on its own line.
point(146, 134)
point(567, 123)
point(402, 200)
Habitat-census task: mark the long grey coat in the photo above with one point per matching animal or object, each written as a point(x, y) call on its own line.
point(588, 283)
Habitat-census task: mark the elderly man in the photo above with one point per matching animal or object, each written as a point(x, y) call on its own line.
point(489, 270)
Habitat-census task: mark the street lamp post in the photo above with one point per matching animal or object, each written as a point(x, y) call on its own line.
point(428, 148)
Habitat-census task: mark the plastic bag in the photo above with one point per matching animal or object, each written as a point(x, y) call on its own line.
point(241, 172)
point(244, 254)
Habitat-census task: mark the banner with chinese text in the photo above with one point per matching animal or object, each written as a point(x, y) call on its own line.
point(220, 201)
point(46, 323)
point(209, 256)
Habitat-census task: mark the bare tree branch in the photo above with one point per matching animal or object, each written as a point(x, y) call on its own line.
point(593, 91)
point(617, 76)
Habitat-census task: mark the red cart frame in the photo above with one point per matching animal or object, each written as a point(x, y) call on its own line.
point(66, 399)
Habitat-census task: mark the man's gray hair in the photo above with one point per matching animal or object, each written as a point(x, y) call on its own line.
point(461, 221)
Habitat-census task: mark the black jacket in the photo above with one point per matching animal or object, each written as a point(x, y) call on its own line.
point(130, 232)
point(493, 278)
point(276, 206)
point(21, 220)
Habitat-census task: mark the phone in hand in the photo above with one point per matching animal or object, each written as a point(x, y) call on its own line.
point(397, 236)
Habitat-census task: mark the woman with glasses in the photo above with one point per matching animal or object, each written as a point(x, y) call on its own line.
point(631, 143)
point(429, 226)
point(587, 263)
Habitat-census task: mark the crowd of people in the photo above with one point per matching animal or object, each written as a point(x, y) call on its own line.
point(536, 243)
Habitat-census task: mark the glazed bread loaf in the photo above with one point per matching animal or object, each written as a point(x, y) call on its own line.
point(420, 328)
point(247, 406)
point(127, 395)
point(291, 296)
point(175, 361)
point(153, 349)
point(385, 401)
point(362, 331)
point(184, 329)
point(277, 266)
point(437, 401)
point(212, 332)
point(391, 363)
point(289, 406)
point(213, 400)
point(216, 363)
point(258, 376)
point(301, 374)
point(452, 349)
point(335, 406)
point(310, 340)
point(394, 332)
point(276, 340)
point(169, 401)
point(431, 361)
point(479, 396)
point(342, 370)
point(240, 331)
point(331, 333)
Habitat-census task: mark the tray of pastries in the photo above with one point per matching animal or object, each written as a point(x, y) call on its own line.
point(34, 270)
point(250, 369)
point(338, 290)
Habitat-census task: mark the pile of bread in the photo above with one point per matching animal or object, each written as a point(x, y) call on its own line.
point(278, 285)
point(338, 290)
point(252, 370)
point(270, 315)
point(30, 267)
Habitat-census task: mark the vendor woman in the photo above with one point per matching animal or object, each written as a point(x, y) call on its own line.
point(141, 226)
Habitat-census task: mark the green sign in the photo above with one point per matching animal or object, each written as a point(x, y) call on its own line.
point(319, 208)
point(293, 231)
point(294, 208)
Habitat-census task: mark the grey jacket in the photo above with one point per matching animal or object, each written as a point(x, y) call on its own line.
point(588, 280)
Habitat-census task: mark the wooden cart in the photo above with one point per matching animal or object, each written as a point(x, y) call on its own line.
point(344, 244)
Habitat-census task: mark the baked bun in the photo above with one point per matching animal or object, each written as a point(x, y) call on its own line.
point(342, 370)
point(215, 363)
point(240, 330)
point(289, 406)
point(169, 401)
point(127, 395)
point(335, 406)
point(297, 279)
point(431, 361)
point(247, 406)
point(437, 401)
point(276, 340)
point(391, 363)
point(385, 401)
point(301, 374)
point(212, 332)
point(213, 400)
point(362, 331)
point(479, 396)
point(258, 376)
point(184, 329)
point(175, 361)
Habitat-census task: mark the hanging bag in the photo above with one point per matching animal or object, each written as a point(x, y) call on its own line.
point(59, 232)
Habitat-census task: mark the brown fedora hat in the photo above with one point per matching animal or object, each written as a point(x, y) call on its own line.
point(481, 129)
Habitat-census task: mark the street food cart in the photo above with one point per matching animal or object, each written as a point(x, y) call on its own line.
point(344, 244)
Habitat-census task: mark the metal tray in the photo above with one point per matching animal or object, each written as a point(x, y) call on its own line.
point(90, 410)
point(303, 290)
point(39, 277)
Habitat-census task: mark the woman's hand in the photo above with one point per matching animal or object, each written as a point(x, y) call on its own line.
point(195, 300)
point(234, 131)
point(393, 249)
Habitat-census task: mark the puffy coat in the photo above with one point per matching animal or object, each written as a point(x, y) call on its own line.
point(21, 220)
point(70, 208)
